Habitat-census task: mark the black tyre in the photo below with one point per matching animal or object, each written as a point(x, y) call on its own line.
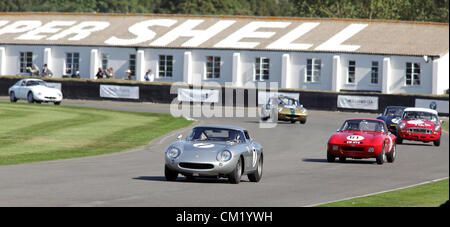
point(170, 174)
point(30, 98)
point(381, 158)
point(330, 157)
point(12, 97)
point(235, 176)
point(399, 140)
point(256, 176)
point(292, 122)
point(437, 142)
point(303, 122)
point(391, 156)
point(57, 103)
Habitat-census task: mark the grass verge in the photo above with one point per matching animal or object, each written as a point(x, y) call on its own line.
point(427, 195)
point(34, 132)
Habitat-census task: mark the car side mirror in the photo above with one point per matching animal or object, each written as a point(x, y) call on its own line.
point(179, 137)
point(338, 130)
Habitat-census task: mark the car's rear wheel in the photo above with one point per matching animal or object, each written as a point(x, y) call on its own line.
point(437, 142)
point(57, 103)
point(381, 158)
point(235, 176)
point(391, 156)
point(30, 97)
point(256, 176)
point(330, 157)
point(170, 174)
point(303, 122)
point(12, 97)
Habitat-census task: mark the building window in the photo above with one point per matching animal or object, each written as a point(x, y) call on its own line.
point(26, 60)
point(351, 72)
point(72, 63)
point(165, 65)
point(132, 64)
point(412, 73)
point(374, 73)
point(313, 68)
point(105, 59)
point(262, 69)
point(212, 67)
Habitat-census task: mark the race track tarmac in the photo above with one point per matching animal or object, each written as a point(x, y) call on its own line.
point(296, 172)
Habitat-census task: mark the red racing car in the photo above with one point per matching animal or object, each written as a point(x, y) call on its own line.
point(420, 124)
point(362, 138)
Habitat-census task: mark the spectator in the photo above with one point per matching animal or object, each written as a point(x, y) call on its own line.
point(128, 72)
point(99, 74)
point(109, 73)
point(34, 71)
point(149, 76)
point(46, 71)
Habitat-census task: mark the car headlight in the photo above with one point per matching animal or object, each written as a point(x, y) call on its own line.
point(402, 125)
point(396, 120)
point(437, 128)
point(224, 156)
point(371, 149)
point(173, 153)
point(335, 147)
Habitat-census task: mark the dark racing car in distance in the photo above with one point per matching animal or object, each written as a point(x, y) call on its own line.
point(392, 116)
point(362, 138)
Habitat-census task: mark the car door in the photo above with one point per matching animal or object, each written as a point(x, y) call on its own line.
point(22, 88)
point(251, 156)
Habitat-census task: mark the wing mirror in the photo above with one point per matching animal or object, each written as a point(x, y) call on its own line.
point(179, 136)
point(338, 130)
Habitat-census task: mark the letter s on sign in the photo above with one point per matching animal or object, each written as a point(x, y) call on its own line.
point(141, 31)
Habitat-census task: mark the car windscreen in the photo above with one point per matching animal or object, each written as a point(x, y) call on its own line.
point(393, 112)
point(363, 125)
point(288, 102)
point(215, 134)
point(36, 83)
point(417, 115)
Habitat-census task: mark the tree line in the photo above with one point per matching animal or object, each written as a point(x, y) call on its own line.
point(406, 10)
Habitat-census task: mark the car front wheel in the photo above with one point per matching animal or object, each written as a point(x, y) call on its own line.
point(391, 156)
point(256, 176)
point(381, 158)
point(170, 174)
point(437, 142)
point(330, 157)
point(235, 176)
point(30, 98)
point(12, 97)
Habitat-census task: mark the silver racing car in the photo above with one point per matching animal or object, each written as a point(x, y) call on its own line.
point(215, 151)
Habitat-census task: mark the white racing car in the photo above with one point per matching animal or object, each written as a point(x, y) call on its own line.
point(34, 90)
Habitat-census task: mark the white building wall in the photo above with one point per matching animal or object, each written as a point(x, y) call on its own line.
point(443, 75)
point(152, 62)
point(362, 72)
point(398, 72)
point(118, 59)
point(298, 71)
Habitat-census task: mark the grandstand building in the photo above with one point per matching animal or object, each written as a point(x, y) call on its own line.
point(299, 53)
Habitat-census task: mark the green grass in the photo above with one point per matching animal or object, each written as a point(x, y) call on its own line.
point(445, 126)
point(427, 195)
point(34, 132)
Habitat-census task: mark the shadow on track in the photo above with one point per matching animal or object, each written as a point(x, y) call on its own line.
point(348, 161)
point(186, 180)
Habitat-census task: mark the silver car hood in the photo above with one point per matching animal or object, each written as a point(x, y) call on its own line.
point(202, 151)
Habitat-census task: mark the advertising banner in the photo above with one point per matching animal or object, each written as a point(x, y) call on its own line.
point(264, 96)
point(440, 106)
point(198, 95)
point(119, 92)
point(357, 102)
